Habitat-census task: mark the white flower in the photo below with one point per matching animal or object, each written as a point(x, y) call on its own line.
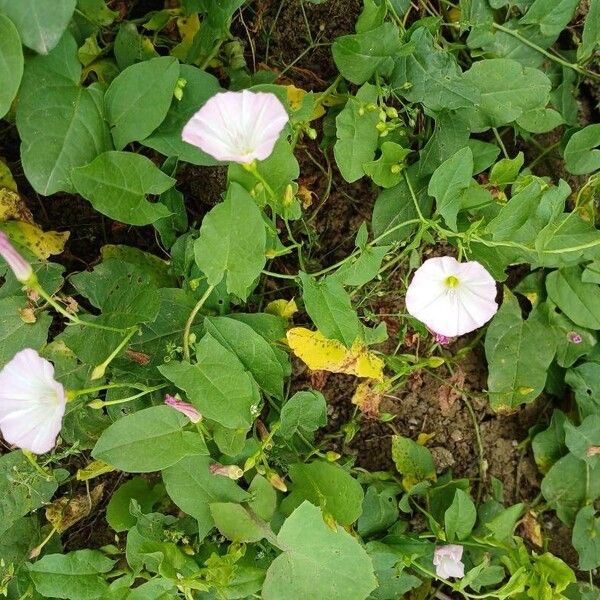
point(447, 561)
point(237, 126)
point(32, 403)
point(451, 298)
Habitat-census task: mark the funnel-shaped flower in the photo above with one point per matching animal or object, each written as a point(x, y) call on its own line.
point(447, 561)
point(19, 266)
point(183, 407)
point(32, 403)
point(451, 298)
point(237, 126)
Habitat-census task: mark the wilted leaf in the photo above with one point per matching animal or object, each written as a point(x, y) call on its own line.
point(320, 353)
point(65, 512)
point(42, 244)
point(368, 396)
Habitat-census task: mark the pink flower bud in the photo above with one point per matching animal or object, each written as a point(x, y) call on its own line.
point(19, 266)
point(574, 337)
point(183, 407)
point(442, 340)
point(232, 471)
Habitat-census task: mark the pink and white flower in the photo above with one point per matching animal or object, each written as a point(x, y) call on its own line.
point(32, 402)
point(183, 407)
point(447, 561)
point(19, 266)
point(237, 126)
point(450, 297)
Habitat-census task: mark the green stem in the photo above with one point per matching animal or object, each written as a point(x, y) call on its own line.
point(99, 371)
point(253, 169)
point(73, 318)
point(103, 403)
point(72, 394)
point(556, 59)
point(190, 321)
point(502, 146)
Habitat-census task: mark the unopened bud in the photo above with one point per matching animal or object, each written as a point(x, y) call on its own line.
point(395, 169)
point(276, 481)
point(382, 115)
point(381, 127)
point(391, 112)
point(435, 361)
point(178, 92)
point(332, 456)
point(361, 111)
point(232, 471)
point(311, 133)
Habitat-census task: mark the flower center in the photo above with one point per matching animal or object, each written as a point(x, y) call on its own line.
point(451, 281)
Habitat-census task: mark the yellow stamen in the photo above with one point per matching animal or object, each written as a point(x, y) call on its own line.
point(451, 281)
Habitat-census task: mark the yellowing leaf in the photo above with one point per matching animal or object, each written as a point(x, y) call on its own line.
point(322, 354)
point(188, 27)
point(94, 469)
point(423, 438)
point(6, 178)
point(295, 98)
point(41, 243)
point(282, 308)
point(12, 207)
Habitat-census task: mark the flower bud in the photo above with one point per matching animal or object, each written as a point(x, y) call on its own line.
point(18, 265)
point(276, 481)
point(391, 112)
point(232, 471)
point(183, 407)
point(332, 456)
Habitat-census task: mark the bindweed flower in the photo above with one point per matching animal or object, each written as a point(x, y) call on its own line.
point(574, 337)
point(32, 402)
point(183, 407)
point(446, 560)
point(451, 298)
point(18, 265)
point(232, 471)
point(237, 126)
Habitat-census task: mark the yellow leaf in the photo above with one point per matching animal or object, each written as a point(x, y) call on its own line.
point(295, 96)
point(94, 469)
point(282, 308)
point(12, 207)
point(41, 243)
point(6, 178)
point(423, 438)
point(188, 27)
point(321, 354)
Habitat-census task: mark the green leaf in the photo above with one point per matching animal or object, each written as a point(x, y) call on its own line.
point(394, 581)
point(578, 300)
point(502, 525)
point(329, 306)
point(540, 120)
point(386, 171)
point(16, 334)
point(484, 154)
point(40, 23)
point(584, 441)
point(326, 485)
point(217, 385)
point(431, 76)
point(317, 562)
point(166, 139)
point(364, 268)
point(505, 171)
point(264, 497)
point(131, 47)
point(460, 517)
point(519, 353)
point(253, 351)
point(585, 382)
point(138, 99)
point(564, 487)
point(75, 576)
point(448, 181)
point(148, 440)
point(356, 133)
point(232, 242)
point(238, 524)
point(117, 183)
point(549, 445)
point(581, 154)
point(552, 16)
point(303, 413)
point(359, 56)
point(414, 462)
point(451, 133)
point(590, 39)
point(61, 124)
point(193, 488)
point(507, 91)
point(379, 510)
point(11, 63)
point(117, 511)
point(586, 538)
point(22, 488)
point(119, 288)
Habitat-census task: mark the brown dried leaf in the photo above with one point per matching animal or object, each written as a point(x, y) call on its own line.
point(65, 512)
